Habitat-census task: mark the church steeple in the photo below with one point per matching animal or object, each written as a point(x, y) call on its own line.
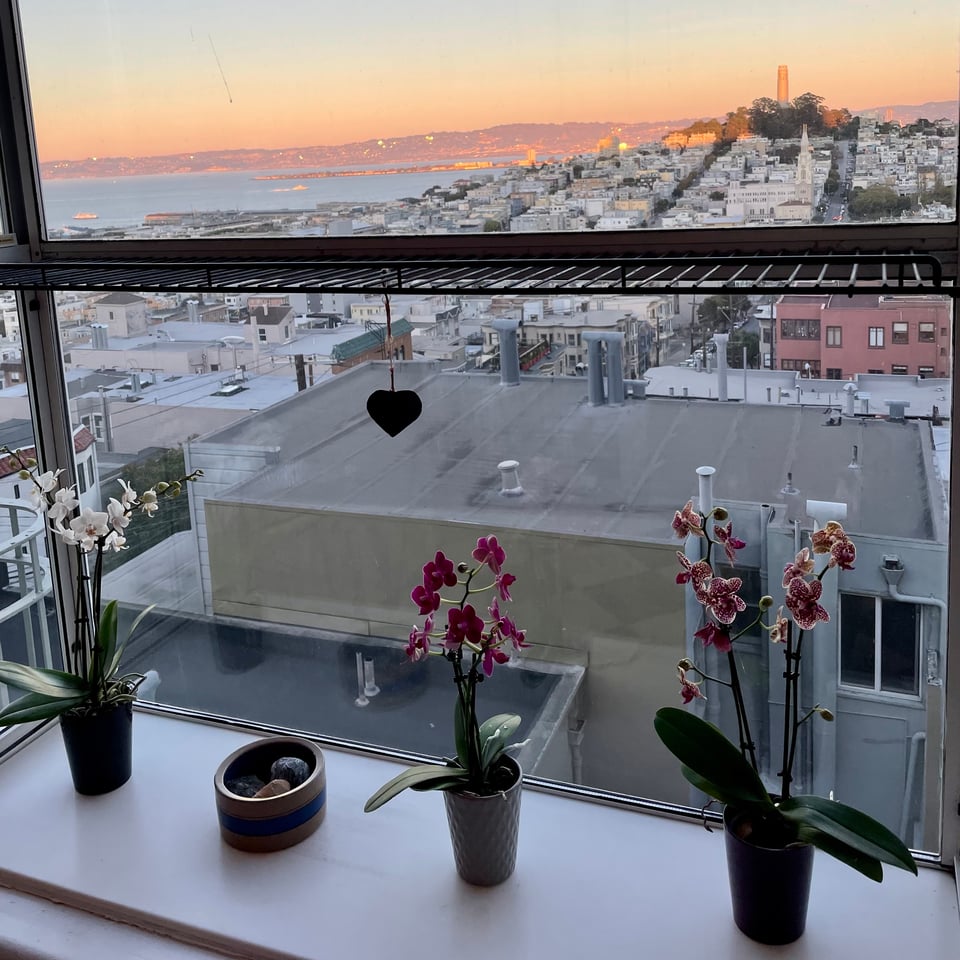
point(805, 168)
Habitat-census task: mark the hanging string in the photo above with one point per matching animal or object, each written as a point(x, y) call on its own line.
point(386, 303)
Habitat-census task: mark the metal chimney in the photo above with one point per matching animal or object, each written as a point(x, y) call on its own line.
point(720, 339)
point(193, 312)
point(509, 351)
point(509, 478)
point(98, 334)
point(594, 369)
point(850, 389)
point(897, 408)
point(616, 392)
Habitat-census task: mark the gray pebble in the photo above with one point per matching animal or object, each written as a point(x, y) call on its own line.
point(292, 769)
point(245, 786)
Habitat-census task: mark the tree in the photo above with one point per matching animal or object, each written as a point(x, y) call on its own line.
point(720, 312)
point(735, 345)
point(737, 124)
point(876, 203)
point(807, 109)
point(492, 226)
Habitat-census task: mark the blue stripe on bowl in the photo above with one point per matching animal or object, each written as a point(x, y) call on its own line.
point(270, 826)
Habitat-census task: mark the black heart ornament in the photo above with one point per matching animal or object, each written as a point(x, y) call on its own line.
point(393, 410)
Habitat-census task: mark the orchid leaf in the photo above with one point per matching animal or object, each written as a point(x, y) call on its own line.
point(851, 827)
point(494, 734)
point(106, 642)
point(867, 865)
point(716, 762)
point(113, 661)
point(43, 680)
point(426, 776)
point(37, 706)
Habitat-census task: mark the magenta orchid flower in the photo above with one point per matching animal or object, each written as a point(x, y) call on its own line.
point(842, 555)
point(492, 655)
point(731, 544)
point(720, 598)
point(488, 551)
point(689, 690)
point(715, 635)
point(695, 573)
point(439, 572)
point(801, 566)
point(463, 626)
point(504, 582)
point(687, 521)
point(419, 643)
point(801, 601)
point(426, 599)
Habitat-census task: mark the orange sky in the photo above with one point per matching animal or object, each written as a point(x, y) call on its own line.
point(111, 78)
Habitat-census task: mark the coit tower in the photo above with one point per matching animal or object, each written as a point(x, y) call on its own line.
point(783, 85)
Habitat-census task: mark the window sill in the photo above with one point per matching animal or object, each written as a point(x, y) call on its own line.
point(591, 880)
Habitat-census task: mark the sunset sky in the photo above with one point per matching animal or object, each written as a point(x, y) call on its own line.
point(131, 77)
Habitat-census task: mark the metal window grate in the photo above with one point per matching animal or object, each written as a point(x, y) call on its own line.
point(516, 275)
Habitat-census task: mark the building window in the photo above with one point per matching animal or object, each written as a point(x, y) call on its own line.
point(927, 333)
point(571, 339)
point(800, 329)
point(876, 337)
point(879, 644)
point(925, 371)
point(900, 332)
point(90, 474)
point(899, 368)
point(262, 334)
point(81, 479)
point(834, 336)
point(834, 373)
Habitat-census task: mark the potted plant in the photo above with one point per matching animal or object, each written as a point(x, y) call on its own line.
point(770, 838)
point(481, 784)
point(91, 697)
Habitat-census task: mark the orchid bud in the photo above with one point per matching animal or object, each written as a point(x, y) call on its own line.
point(720, 513)
point(31, 462)
point(686, 664)
point(162, 485)
point(765, 603)
point(24, 474)
point(462, 567)
point(825, 713)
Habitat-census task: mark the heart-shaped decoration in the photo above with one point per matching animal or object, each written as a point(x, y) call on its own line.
point(393, 410)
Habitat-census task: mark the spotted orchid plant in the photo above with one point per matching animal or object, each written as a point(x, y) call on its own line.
point(728, 772)
point(473, 646)
point(90, 681)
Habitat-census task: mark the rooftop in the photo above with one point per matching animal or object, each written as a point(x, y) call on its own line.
point(609, 471)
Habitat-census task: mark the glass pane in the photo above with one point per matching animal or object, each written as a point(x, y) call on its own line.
point(203, 148)
point(900, 647)
point(857, 640)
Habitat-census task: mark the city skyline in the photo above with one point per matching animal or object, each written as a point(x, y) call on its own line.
point(346, 75)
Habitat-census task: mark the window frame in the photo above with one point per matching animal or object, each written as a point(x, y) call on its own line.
point(19, 188)
point(834, 336)
point(875, 338)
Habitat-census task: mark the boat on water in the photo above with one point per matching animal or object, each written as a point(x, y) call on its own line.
point(84, 216)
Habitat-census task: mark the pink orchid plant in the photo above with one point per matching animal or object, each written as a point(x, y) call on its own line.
point(474, 645)
point(728, 772)
point(90, 681)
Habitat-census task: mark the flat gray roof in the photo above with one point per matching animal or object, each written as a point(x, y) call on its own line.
point(601, 471)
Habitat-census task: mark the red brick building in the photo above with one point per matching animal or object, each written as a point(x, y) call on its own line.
point(840, 336)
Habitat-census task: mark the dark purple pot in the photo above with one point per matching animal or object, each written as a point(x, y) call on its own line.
point(769, 885)
point(99, 747)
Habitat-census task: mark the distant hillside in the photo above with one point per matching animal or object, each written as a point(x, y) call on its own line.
point(907, 113)
point(504, 140)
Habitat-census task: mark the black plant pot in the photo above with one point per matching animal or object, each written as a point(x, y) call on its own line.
point(99, 747)
point(769, 885)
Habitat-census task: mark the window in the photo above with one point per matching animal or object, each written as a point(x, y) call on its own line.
point(800, 329)
point(876, 337)
point(925, 371)
point(834, 336)
point(899, 368)
point(834, 373)
point(339, 479)
point(927, 332)
point(900, 332)
point(879, 644)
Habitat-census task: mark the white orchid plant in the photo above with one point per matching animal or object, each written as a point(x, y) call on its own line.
point(90, 681)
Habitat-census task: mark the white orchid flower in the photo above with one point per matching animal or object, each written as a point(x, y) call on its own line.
point(88, 528)
point(148, 502)
point(129, 497)
point(42, 485)
point(117, 514)
point(64, 503)
point(115, 542)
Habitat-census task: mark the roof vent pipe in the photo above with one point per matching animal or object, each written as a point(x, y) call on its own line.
point(850, 389)
point(791, 498)
point(720, 339)
point(897, 409)
point(594, 369)
point(509, 478)
point(509, 351)
point(615, 390)
point(706, 488)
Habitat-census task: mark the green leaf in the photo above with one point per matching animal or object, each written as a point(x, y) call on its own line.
point(112, 660)
point(107, 642)
point(715, 761)
point(37, 706)
point(427, 776)
point(494, 734)
point(868, 866)
point(51, 683)
point(851, 827)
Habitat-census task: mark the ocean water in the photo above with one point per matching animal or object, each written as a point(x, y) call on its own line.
point(125, 201)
